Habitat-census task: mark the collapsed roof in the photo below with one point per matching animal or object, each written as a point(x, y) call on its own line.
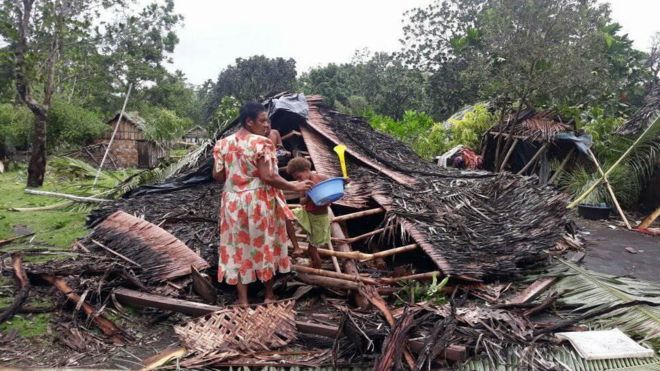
point(473, 225)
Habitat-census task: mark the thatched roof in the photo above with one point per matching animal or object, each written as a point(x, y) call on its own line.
point(645, 116)
point(532, 125)
point(476, 225)
point(132, 117)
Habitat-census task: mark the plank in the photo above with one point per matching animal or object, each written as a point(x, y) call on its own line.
point(533, 290)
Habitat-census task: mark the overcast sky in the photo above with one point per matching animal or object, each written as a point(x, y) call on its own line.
point(316, 33)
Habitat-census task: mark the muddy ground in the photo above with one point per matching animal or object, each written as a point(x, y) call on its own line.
point(609, 249)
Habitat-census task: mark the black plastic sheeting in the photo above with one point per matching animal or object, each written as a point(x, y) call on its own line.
point(286, 105)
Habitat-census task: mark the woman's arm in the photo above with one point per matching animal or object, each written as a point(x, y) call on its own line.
point(267, 175)
point(219, 176)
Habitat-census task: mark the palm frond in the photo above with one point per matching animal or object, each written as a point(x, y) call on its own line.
point(555, 358)
point(587, 290)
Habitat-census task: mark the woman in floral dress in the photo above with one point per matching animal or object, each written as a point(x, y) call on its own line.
point(253, 212)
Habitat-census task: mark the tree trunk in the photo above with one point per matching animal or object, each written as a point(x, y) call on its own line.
point(37, 167)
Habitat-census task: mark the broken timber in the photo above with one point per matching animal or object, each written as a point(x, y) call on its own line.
point(23, 290)
point(533, 290)
point(357, 255)
point(349, 265)
point(140, 299)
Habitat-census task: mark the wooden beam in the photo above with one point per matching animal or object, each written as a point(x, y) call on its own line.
point(361, 237)
point(359, 214)
point(349, 265)
point(533, 290)
point(533, 159)
point(413, 277)
point(561, 166)
point(357, 255)
point(331, 274)
point(650, 219)
point(508, 154)
point(64, 195)
point(203, 286)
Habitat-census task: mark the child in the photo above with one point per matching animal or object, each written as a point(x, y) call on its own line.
point(314, 219)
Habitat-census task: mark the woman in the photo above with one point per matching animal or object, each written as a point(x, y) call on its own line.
point(253, 211)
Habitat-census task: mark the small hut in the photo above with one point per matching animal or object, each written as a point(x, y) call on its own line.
point(195, 135)
point(528, 144)
point(130, 147)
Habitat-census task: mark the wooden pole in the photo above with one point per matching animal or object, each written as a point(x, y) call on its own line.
point(335, 262)
point(508, 154)
point(412, 277)
point(331, 274)
point(112, 138)
point(609, 189)
point(623, 156)
point(561, 166)
point(650, 219)
point(357, 255)
point(349, 265)
point(113, 252)
point(359, 214)
point(361, 237)
point(66, 196)
point(533, 159)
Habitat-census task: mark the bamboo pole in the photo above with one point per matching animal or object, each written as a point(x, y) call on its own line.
point(335, 262)
point(331, 274)
point(650, 219)
point(508, 154)
point(561, 166)
point(412, 277)
point(97, 243)
point(351, 240)
point(359, 214)
point(609, 189)
point(623, 156)
point(112, 138)
point(533, 159)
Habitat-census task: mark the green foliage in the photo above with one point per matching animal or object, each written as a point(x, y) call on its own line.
point(70, 125)
point(411, 129)
point(468, 129)
point(414, 292)
point(227, 110)
point(15, 126)
point(163, 124)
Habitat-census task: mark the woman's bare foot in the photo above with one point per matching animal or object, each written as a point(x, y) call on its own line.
point(241, 290)
point(268, 300)
point(269, 297)
point(298, 253)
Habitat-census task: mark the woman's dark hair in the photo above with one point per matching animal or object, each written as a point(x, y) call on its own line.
point(250, 110)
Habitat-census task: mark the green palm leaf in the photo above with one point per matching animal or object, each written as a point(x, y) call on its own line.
point(586, 291)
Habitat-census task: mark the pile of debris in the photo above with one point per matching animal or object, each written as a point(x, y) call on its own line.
point(403, 221)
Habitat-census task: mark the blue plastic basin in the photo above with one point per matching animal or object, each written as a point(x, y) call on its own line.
point(327, 191)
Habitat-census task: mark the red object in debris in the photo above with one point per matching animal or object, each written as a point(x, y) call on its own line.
point(470, 159)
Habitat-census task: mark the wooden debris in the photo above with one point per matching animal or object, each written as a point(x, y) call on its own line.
point(203, 286)
point(532, 161)
point(67, 196)
point(533, 290)
point(358, 214)
point(363, 257)
point(141, 299)
point(349, 265)
point(390, 357)
point(117, 336)
point(163, 357)
point(331, 274)
point(10, 240)
point(113, 252)
point(161, 255)
point(23, 288)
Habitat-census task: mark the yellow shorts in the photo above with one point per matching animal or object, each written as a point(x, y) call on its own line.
point(317, 226)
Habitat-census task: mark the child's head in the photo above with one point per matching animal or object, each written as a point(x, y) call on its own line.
point(299, 168)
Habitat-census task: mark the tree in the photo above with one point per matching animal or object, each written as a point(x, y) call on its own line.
point(535, 52)
point(252, 79)
point(53, 45)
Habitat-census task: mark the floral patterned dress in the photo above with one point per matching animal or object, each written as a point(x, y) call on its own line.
point(253, 238)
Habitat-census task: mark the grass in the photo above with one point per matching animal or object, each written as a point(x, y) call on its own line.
point(53, 228)
point(28, 325)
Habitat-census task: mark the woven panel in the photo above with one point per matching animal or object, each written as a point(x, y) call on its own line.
point(240, 330)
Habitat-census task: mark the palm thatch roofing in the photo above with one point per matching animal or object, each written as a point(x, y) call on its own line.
point(641, 120)
point(473, 225)
point(533, 126)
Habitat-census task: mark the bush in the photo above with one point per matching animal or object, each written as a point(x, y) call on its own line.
point(70, 125)
point(226, 111)
point(15, 127)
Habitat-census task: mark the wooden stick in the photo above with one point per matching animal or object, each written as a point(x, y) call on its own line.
point(97, 243)
point(412, 277)
point(67, 196)
point(508, 154)
point(349, 265)
point(322, 281)
point(9, 240)
point(533, 159)
point(609, 189)
point(58, 205)
point(23, 291)
point(163, 357)
point(357, 255)
point(561, 166)
point(623, 156)
point(359, 214)
point(335, 262)
point(331, 274)
point(650, 219)
point(351, 240)
point(104, 324)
